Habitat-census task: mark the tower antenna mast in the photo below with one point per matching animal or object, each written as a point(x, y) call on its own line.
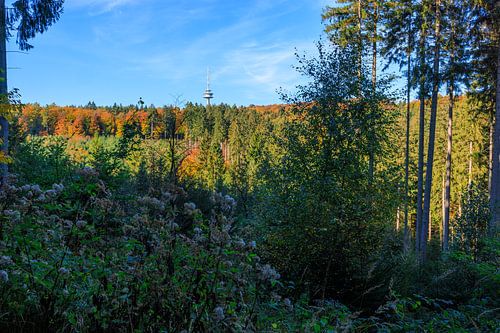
point(208, 94)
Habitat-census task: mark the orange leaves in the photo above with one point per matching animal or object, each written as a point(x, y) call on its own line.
point(191, 165)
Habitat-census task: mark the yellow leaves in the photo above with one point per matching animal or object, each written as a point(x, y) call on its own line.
point(5, 108)
point(10, 103)
point(4, 158)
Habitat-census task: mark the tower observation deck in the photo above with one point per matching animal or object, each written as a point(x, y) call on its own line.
point(208, 94)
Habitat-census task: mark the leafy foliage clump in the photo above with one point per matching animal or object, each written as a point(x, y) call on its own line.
point(74, 258)
point(325, 215)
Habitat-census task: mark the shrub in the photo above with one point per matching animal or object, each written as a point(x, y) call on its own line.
point(76, 259)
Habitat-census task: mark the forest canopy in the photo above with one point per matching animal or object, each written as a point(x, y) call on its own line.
point(351, 206)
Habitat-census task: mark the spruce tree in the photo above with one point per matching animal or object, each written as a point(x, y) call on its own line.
point(422, 73)
point(485, 38)
point(356, 25)
point(436, 81)
point(399, 35)
point(456, 56)
point(345, 26)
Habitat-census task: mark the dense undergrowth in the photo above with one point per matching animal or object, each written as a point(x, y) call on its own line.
point(100, 251)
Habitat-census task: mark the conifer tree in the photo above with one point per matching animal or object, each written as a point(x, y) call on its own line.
point(27, 17)
point(356, 24)
point(485, 38)
point(422, 74)
point(436, 81)
point(345, 25)
point(399, 34)
point(454, 51)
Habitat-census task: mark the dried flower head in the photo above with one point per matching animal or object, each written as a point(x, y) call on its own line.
point(13, 215)
point(219, 313)
point(268, 273)
point(63, 270)
point(152, 203)
point(36, 189)
point(4, 276)
point(189, 208)
point(240, 244)
point(25, 188)
point(51, 194)
point(58, 187)
point(88, 172)
point(80, 224)
point(6, 261)
point(252, 245)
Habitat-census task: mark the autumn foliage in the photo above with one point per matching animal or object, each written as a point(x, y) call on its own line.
point(90, 121)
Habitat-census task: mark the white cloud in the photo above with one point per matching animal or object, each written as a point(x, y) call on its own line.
point(100, 6)
point(251, 55)
point(267, 66)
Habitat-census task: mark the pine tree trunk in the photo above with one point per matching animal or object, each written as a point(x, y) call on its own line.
point(469, 183)
point(3, 49)
point(360, 41)
point(398, 218)
point(490, 148)
point(374, 45)
point(447, 185)
point(495, 174)
point(371, 167)
point(406, 240)
point(4, 125)
point(429, 233)
point(421, 129)
point(441, 226)
point(432, 134)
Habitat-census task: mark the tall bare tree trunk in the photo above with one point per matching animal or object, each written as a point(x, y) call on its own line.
point(398, 218)
point(429, 234)
point(451, 105)
point(490, 148)
point(360, 41)
point(447, 185)
point(4, 125)
point(441, 226)
point(432, 133)
point(406, 238)
point(495, 174)
point(469, 183)
point(3, 49)
point(371, 161)
point(374, 44)
point(421, 130)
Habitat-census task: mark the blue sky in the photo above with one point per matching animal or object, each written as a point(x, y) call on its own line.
point(119, 50)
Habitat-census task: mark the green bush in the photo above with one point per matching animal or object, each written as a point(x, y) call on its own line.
point(75, 259)
point(42, 160)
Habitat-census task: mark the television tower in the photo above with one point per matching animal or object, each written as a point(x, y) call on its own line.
point(208, 94)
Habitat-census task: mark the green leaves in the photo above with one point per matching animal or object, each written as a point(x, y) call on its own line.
point(325, 215)
point(71, 271)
